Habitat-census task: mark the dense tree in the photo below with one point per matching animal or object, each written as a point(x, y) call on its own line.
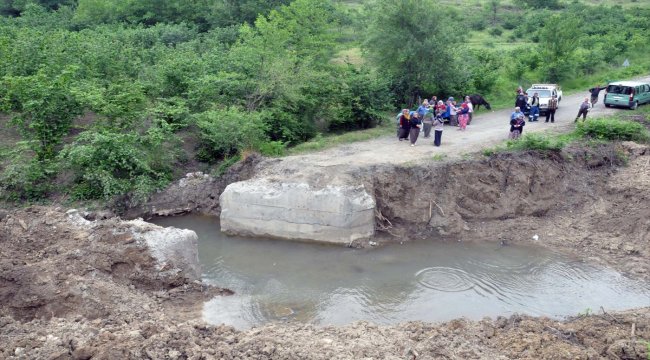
point(415, 47)
point(16, 7)
point(205, 14)
point(559, 41)
point(542, 4)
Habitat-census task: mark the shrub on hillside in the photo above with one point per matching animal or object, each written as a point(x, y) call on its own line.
point(27, 180)
point(537, 142)
point(106, 164)
point(225, 132)
point(613, 129)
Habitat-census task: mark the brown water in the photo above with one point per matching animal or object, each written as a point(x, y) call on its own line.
point(277, 281)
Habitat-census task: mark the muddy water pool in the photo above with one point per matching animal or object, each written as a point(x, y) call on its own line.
point(277, 281)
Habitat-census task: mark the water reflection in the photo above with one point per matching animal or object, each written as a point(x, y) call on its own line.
point(428, 281)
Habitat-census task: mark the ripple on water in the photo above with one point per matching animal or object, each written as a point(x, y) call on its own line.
point(445, 279)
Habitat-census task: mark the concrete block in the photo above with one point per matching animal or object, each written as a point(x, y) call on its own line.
point(297, 211)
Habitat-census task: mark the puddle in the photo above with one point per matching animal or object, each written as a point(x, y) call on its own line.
point(276, 281)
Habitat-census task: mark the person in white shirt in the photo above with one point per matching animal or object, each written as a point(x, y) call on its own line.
point(471, 109)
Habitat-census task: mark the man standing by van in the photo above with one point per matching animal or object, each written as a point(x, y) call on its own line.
point(595, 91)
point(552, 106)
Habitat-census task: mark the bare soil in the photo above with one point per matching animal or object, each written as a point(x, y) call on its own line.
point(70, 293)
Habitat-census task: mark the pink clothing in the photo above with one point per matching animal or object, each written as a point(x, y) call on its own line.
point(462, 121)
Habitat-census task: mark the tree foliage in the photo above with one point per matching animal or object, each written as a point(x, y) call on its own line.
point(253, 74)
point(44, 108)
point(107, 163)
point(414, 47)
point(559, 41)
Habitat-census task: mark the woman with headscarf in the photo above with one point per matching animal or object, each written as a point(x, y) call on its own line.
point(414, 132)
point(427, 120)
point(517, 124)
point(453, 111)
point(438, 123)
point(404, 125)
point(463, 116)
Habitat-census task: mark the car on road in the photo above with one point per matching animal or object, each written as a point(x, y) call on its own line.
point(628, 94)
point(545, 92)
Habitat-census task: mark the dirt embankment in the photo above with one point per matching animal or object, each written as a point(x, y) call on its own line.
point(593, 201)
point(73, 292)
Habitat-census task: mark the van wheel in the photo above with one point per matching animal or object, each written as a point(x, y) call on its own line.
point(634, 105)
point(608, 105)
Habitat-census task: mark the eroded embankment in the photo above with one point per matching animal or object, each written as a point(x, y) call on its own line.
point(591, 200)
point(71, 291)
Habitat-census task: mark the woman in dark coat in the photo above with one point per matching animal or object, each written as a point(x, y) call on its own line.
point(414, 132)
point(404, 125)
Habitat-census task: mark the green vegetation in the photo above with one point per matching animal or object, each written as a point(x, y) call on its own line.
point(320, 142)
point(613, 130)
point(99, 94)
point(592, 130)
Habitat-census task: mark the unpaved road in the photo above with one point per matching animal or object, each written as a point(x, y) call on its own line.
point(488, 128)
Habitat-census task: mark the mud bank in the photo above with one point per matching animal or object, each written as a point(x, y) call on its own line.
point(78, 292)
point(71, 291)
point(593, 201)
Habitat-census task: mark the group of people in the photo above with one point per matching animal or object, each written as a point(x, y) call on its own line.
point(432, 114)
point(531, 106)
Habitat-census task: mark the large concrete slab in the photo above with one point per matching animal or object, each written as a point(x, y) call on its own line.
point(297, 211)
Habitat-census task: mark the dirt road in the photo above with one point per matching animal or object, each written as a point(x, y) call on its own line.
point(487, 129)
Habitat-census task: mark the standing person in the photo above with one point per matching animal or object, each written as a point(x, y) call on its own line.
point(595, 91)
point(422, 109)
point(521, 101)
point(463, 116)
point(584, 109)
point(414, 132)
point(438, 124)
point(433, 101)
point(427, 121)
point(552, 106)
point(404, 125)
point(471, 109)
point(526, 109)
point(441, 109)
point(453, 112)
point(516, 127)
point(534, 107)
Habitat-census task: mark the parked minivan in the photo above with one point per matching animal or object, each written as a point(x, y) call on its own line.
point(627, 93)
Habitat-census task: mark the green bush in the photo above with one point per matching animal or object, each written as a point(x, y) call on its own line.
point(226, 132)
point(27, 180)
point(172, 111)
point(613, 129)
point(106, 164)
point(537, 142)
point(272, 148)
point(495, 31)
